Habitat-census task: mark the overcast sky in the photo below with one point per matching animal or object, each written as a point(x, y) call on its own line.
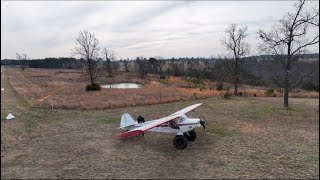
point(134, 28)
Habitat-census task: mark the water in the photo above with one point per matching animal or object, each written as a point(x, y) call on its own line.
point(123, 86)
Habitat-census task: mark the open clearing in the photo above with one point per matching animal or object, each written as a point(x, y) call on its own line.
point(246, 137)
point(67, 88)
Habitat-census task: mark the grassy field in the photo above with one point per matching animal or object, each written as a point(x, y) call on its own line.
point(245, 137)
point(67, 88)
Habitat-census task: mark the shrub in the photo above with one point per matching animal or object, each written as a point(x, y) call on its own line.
point(197, 81)
point(219, 86)
point(162, 77)
point(227, 95)
point(269, 92)
point(309, 86)
point(195, 95)
point(244, 93)
point(280, 90)
point(93, 87)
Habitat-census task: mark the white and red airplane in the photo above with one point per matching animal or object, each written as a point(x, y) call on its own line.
point(177, 123)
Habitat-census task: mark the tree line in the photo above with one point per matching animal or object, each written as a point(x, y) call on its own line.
point(255, 70)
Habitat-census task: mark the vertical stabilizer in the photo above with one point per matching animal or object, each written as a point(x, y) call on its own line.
point(126, 120)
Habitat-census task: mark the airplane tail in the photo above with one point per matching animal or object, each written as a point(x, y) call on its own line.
point(126, 120)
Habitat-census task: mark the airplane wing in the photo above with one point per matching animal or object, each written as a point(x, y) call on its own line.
point(186, 110)
point(139, 130)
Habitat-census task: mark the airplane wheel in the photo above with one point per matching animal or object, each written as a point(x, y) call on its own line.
point(191, 135)
point(180, 142)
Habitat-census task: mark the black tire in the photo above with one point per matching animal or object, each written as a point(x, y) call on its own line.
point(191, 135)
point(180, 142)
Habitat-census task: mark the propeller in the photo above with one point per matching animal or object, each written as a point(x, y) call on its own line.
point(202, 124)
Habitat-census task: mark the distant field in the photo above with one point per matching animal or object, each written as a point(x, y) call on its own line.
point(245, 137)
point(67, 88)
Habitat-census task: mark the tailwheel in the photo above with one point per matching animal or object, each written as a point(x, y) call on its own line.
point(180, 142)
point(190, 135)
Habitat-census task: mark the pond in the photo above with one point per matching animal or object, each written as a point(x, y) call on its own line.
point(123, 86)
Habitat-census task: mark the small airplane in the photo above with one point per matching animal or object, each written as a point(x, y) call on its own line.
point(177, 123)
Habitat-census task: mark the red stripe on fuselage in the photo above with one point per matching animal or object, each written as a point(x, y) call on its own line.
point(187, 124)
point(166, 125)
point(131, 133)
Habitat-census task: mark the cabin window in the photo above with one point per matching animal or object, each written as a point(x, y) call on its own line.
point(182, 118)
point(173, 124)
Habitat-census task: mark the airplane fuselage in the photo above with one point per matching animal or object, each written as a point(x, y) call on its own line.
point(177, 126)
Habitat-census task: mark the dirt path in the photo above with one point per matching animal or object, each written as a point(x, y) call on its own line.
point(15, 136)
point(245, 138)
point(12, 131)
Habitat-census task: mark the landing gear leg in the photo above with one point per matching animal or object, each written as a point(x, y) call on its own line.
point(190, 135)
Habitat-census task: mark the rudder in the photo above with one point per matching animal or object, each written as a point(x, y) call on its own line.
point(126, 120)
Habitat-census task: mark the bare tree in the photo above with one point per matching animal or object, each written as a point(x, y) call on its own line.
point(194, 68)
point(141, 66)
point(126, 65)
point(157, 65)
point(234, 42)
point(87, 46)
point(207, 67)
point(109, 56)
point(175, 68)
point(160, 66)
point(220, 70)
point(23, 58)
point(115, 66)
point(288, 39)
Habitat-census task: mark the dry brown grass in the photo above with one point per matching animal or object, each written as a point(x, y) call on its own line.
point(245, 138)
point(67, 88)
point(247, 127)
point(293, 94)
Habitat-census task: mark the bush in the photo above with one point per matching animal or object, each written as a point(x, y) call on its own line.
point(244, 93)
point(280, 90)
point(269, 92)
point(309, 86)
point(226, 95)
point(162, 77)
point(93, 87)
point(219, 86)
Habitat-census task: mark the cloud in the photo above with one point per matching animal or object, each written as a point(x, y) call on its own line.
point(132, 28)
